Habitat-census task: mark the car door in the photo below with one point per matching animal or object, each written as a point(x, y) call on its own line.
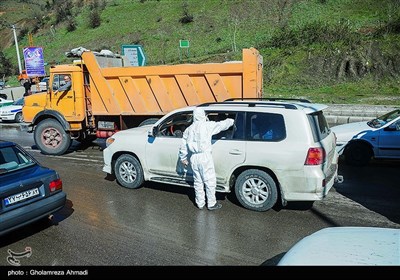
point(229, 147)
point(389, 141)
point(162, 151)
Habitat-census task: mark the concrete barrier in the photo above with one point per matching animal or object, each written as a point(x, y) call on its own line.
point(346, 113)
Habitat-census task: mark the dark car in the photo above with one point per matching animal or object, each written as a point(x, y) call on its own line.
point(28, 190)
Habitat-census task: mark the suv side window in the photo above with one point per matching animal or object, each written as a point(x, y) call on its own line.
point(239, 126)
point(265, 127)
point(220, 116)
point(175, 125)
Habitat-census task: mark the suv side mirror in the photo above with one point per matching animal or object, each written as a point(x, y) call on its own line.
point(153, 132)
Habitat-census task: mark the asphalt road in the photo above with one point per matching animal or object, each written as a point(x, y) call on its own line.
point(104, 224)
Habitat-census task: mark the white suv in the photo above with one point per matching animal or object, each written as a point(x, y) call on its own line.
point(296, 159)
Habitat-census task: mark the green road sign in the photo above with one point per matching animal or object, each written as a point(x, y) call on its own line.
point(135, 54)
point(184, 43)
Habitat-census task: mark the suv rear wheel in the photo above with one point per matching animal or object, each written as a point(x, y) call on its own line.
point(256, 190)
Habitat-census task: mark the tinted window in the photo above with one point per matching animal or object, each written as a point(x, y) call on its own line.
point(239, 126)
point(265, 127)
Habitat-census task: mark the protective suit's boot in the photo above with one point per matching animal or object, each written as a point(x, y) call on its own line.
point(215, 206)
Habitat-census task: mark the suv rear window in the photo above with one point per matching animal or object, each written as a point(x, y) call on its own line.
point(319, 125)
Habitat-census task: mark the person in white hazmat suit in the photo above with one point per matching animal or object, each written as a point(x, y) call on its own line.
point(196, 142)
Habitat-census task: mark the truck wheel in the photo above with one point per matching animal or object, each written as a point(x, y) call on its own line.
point(51, 138)
point(357, 154)
point(129, 172)
point(19, 118)
point(148, 121)
point(256, 190)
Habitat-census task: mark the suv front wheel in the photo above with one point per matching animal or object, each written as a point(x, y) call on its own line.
point(256, 190)
point(129, 172)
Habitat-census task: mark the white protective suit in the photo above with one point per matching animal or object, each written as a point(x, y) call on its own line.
point(197, 141)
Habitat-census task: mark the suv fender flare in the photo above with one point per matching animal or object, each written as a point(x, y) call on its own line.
point(52, 114)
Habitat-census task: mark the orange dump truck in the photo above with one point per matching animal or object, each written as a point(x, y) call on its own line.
point(104, 96)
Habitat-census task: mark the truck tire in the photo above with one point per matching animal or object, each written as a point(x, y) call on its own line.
point(148, 121)
point(256, 190)
point(51, 138)
point(129, 172)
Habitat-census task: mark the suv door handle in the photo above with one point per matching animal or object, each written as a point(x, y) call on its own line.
point(235, 152)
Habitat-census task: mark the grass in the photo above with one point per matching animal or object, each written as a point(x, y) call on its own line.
point(367, 91)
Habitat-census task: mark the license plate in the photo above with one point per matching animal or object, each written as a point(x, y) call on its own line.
point(21, 196)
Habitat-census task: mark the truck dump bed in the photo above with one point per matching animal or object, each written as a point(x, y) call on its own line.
point(157, 90)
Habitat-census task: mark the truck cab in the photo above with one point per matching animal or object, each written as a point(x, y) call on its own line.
point(66, 107)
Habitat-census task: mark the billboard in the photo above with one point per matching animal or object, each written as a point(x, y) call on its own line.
point(34, 61)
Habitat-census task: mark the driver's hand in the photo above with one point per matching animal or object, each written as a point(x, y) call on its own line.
point(185, 162)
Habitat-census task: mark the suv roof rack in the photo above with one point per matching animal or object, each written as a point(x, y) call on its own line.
point(269, 99)
point(250, 104)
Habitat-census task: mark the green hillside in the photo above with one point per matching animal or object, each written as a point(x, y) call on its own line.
point(330, 51)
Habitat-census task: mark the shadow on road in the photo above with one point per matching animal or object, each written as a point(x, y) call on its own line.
point(375, 186)
point(40, 225)
point(79, 147)
point(274, 260)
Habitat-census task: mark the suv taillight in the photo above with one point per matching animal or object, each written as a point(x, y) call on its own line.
point(55, 185)
point(315, 156)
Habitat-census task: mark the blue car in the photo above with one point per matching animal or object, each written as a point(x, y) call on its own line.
point(28, 190)
point(378, 138)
